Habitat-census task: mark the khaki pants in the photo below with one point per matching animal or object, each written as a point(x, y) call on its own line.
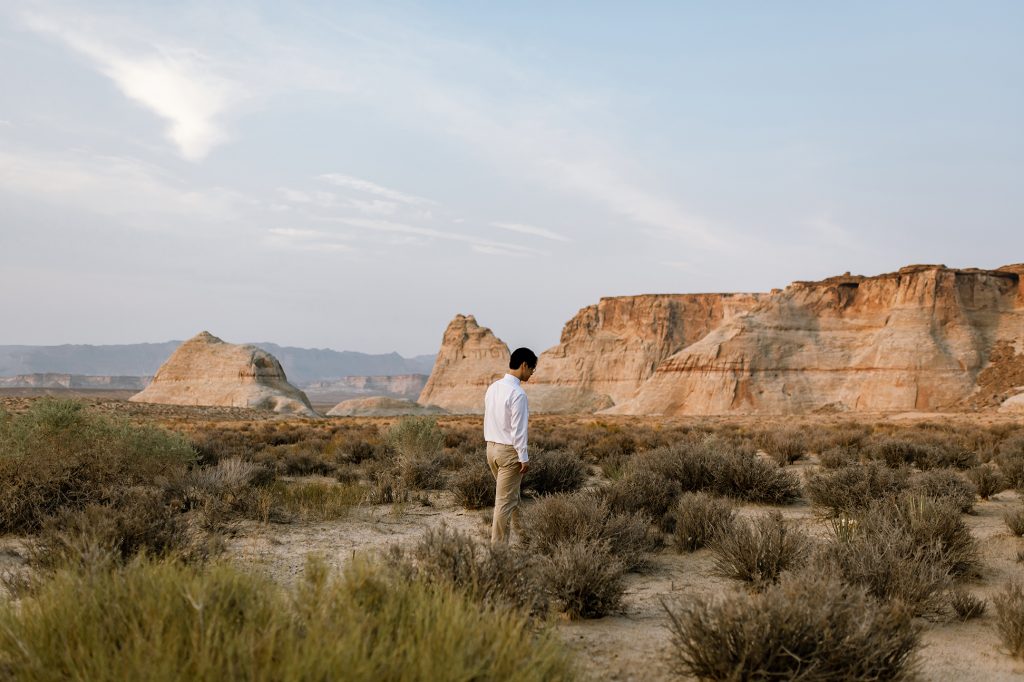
point(504, 463)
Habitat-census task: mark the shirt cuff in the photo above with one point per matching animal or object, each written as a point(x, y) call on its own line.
point(524, 457)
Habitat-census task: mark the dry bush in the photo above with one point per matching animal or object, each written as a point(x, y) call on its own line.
point(947, 484)
point(493, 574)
point(1010, 458)
point(58, 456)
point(808, 627)
point(418, 445)
point(966, 605)
point(853, 487)
point(557, 471)
point(1009, 606)
point(925, 452)
point(988, 480)
point(697, 518)
point(1015, 521)
point(585, 517)
point(759, 551)
point(741, 474)
point(317, 500)
point(164, 621)
point(473, 485)
point(785, 447)
point(386, 488)
point(646, 492)
point(584, 577)
point(611, 450)
point(847, 436)
point(838, 456)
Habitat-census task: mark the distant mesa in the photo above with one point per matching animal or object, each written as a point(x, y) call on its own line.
point(381, 406)
point(207, 371)
point(924, 338)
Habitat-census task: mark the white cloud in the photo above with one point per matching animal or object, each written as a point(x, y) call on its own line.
point(402, 228)
point(180, 85)
point(297, 239)
point(367, 187)
point(531, 230)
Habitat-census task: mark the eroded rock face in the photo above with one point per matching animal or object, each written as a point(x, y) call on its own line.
point(916, 339)
point(607, 351)
point(207, 371)
point(471, 357)
point(380, 406)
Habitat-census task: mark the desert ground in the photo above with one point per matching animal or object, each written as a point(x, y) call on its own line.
point(632, 639)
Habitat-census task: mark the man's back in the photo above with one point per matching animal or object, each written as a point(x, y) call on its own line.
point(506, 412)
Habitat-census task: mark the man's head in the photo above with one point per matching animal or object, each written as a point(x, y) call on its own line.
point(522, 363)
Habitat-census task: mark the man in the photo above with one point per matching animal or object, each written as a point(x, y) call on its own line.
point(506, 417)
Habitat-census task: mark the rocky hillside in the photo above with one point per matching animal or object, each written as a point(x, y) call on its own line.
point(926, 337)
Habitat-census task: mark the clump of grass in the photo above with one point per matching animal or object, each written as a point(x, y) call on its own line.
point(987, 479)
point(473, 485)
point(786, 446)
point(741, 474)
point(647, 492)
point(949, 485)
point(698, 518)
point(555, 471)
point(418, 446)
point(584, 517)
point(317, 500)
point(1009, 606)
point(759, 551)
point(838, 456)
point(585, 578)
point(168, 621)
point(808, 627)
point(849, 488)
point(1015, 521)
point(59, 456)
point(966, 605)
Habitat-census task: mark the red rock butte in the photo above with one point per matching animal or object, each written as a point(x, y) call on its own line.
point(924, 338)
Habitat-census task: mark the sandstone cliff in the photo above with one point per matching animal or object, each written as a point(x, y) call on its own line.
point(207, 371)
point(401, 386)
point(916, 339)
point(471, 357)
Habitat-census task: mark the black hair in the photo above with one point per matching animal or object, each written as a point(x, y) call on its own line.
point(521, 355)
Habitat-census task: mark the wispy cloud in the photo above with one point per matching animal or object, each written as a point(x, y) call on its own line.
point(178, 84)
point(367, 187)
point(402, 228)
point(297, 239)
point(532, 230)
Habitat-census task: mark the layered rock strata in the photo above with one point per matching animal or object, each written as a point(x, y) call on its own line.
point(207, 371)
point(471, 357)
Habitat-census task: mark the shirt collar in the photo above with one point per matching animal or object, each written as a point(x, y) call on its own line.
point(512, 379)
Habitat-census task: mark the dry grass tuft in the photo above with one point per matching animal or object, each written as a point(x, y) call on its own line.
point(966, 605)
point(988, 480)
point(585, 578)
point(759, 551)
point(698, 518)
point(849, 488)
point(555, 471)
point(1009, 606)
point(949, 485)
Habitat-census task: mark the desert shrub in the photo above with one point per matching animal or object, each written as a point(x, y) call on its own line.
point(966, 605)
point(317, 500)
point(473, 485)
point(741, 474)
point(1009, 606)
point(59, 456)
point(648, 492)
point(808, 627)
point(584, 577)
point(932, 453)
point(948, 484)
point(853, 487)
point(698, 517)
point(557, 471)
point(418, 445)
point(612, 449)
point(759, 551)
point(785, 447)
point(585, 517)
point(493, 574)
point(167, 621)
point(848, 437)
point(464, 439)
point(690, 463)
point(1010, 458)
point(1015, 521)
point(297, 460)
point(987, 479)
point(910, 548)
point(386, 488)
point(838, 456)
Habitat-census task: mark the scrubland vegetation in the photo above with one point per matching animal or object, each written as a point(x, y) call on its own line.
point(127, 523)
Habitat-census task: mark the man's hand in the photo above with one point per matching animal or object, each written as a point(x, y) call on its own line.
point(524, 467)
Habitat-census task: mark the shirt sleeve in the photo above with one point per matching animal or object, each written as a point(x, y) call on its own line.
point(520, 417)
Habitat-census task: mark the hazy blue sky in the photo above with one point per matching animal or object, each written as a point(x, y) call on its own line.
point(351, 175)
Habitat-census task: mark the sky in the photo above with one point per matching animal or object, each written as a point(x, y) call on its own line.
point(352, 175)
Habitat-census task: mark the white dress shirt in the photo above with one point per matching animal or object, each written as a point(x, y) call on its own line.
point(506, 415)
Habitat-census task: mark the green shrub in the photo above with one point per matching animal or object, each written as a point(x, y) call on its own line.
point(167, 621)
point(555, 471)
point(58, 456)
point(849, 488)
point(759, 551)
point(697, 518)
point(808, 627)
point(1010, 618)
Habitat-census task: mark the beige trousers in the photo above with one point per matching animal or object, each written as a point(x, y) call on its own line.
point(504, 463)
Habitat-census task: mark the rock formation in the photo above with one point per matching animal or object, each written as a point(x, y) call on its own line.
point(916, 339)
point(926, 337)
point(471, 357)
point(380, 406)
point(401, 386)
point(207, 371)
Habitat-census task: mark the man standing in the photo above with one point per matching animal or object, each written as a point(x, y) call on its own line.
point(506, 415)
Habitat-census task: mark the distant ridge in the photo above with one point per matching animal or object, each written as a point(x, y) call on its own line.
point(302, 365)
